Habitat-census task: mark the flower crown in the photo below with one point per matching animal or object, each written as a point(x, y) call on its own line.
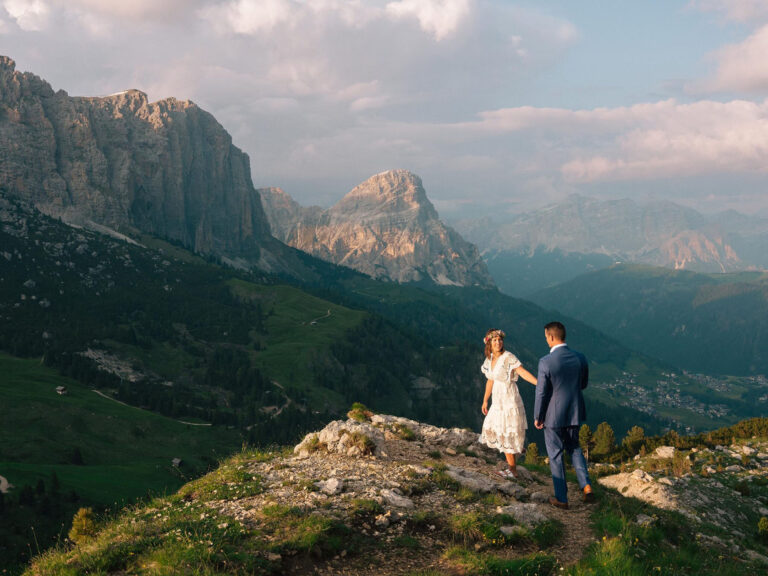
point(492, 334)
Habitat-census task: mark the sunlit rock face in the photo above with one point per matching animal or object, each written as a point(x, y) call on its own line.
point(166, 168)
point(386, 228)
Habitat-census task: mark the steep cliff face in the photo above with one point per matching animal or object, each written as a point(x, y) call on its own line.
point(167, 168)
point(386, 228)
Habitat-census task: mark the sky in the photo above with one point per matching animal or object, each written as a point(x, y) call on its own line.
point(499, 106)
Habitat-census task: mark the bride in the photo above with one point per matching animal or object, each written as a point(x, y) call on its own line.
point(504, 425)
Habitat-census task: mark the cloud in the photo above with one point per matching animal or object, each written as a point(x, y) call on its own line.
point(138, 10)
point(741, 67)
point(249, 16)
point(437, 17)
point(737, 10)
point(672, 140)
point(30, 15)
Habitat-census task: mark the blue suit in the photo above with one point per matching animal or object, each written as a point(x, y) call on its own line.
point(562, 375)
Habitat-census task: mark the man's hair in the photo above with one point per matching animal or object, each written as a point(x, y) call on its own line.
point(556, 329)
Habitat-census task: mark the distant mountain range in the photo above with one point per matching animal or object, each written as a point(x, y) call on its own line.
point(544, 247)
point(386, 228)
point(712, 323)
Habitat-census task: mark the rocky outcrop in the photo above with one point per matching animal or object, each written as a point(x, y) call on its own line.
point(166, 168)
point(718, 488)
point(385, 228)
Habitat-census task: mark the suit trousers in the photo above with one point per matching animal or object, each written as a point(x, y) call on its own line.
point(559, 440)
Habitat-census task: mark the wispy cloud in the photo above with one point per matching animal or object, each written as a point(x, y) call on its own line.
point(737, 10)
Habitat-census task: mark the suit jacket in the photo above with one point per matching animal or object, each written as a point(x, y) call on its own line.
point(562, 375)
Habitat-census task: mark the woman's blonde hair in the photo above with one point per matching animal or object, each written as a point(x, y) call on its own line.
point(489, 336)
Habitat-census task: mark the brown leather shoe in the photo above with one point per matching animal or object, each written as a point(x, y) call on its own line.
point(557, 504)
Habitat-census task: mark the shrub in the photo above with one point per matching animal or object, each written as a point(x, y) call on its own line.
point(403, 432)
point(359, 412)
point(532, 454)
point(363, 443)
point(365, 507)
point(466, 495)
point(466, 527)
point(762, 528)
point(681, 464)
point(742, 487)
point(83, 526)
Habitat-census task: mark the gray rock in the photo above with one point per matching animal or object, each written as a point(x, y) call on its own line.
point(645, 520)
point(664, 452)
point(755, 556)
point(541, 497)
point(472, 480)
point(527, 514)
point(332, 486)
point(394, 499)
point(642, 475)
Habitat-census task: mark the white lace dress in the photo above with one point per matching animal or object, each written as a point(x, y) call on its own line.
point(505, 424)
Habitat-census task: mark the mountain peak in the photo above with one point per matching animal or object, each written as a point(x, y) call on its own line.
point(393, 191)
point(385, 227)
point(7, 63)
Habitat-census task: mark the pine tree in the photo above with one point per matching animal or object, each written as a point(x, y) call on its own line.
point(605, 440)
point(634, 438)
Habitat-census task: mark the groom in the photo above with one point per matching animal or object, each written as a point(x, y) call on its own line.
point(559, 409)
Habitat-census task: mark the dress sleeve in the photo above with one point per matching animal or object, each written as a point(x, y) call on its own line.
point(512, 362)
point(486, 369)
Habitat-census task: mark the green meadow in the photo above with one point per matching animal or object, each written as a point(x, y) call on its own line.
point(104, 450)
point(298, 327)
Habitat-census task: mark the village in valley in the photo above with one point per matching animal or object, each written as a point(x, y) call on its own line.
point(676, 391)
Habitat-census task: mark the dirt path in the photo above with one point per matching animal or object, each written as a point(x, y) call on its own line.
point(429, 555)
point(577, 529)
point(108, 397)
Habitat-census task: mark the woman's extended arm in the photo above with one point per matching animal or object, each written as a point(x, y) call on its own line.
point(525, 375)
point(488, 389)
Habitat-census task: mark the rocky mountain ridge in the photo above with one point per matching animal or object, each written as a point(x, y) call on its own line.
point(380, 494)
point(385, 227)
point(165, 168)
point(657, 233)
